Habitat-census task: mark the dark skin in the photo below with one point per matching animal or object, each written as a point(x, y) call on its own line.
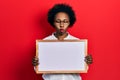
point(61, 24)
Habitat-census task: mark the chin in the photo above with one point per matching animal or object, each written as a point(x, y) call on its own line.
point(61, 33)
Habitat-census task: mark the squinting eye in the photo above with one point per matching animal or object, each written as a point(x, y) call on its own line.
point(57, 21)
point(66, 21)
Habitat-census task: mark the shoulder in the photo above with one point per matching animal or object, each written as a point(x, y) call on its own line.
point(50, 37)
point(72, 37)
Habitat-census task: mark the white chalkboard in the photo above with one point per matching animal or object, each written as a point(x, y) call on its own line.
point(65, 56)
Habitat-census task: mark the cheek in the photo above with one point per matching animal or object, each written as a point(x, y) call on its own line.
point(66, 27)
point(56, 26)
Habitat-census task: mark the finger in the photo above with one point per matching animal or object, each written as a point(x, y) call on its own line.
point(88, 58)
point(90, 62)
point(35, 64)
point(35, 59)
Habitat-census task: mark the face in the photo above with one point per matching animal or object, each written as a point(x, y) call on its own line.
point(61, 22)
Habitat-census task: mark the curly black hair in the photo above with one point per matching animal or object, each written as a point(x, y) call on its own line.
point(61, 8)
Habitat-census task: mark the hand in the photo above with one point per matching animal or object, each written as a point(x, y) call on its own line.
point(35, 61)
point(89, 59)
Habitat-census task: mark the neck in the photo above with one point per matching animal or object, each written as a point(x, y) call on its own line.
point(61, 36)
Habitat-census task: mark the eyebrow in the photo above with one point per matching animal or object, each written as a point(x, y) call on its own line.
point(59, 19)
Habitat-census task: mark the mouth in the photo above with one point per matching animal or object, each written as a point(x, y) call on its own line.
point(61, 30)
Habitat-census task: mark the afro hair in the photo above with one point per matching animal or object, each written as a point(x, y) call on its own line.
point(61, 8)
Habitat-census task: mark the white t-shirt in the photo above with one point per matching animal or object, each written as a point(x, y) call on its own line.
point(52, 37)
point(68, 76)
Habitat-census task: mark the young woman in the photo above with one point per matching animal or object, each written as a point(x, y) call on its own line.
point(61, 17)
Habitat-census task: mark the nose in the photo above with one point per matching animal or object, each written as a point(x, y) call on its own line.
point(61, 24)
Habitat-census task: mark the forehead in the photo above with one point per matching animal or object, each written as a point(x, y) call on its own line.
point(61, 15)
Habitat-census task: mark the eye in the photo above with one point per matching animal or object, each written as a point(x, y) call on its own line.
point(57, 21)
point(66, 21)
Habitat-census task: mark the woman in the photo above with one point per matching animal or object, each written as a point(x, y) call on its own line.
point(61, 17)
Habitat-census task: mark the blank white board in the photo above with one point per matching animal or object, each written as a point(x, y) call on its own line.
point(65, 56)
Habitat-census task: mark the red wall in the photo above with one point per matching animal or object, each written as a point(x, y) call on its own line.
point(24, 21)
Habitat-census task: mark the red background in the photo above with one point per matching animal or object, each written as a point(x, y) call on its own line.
point(24, 21)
